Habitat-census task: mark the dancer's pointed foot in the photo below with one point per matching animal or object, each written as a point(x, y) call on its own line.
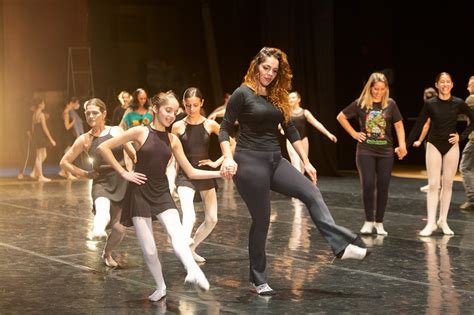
point(109, 261)
point(197, 278)
point(157, 295)
point(43, 179)
point(198, 258)
point(354, 252)
point(445, 227)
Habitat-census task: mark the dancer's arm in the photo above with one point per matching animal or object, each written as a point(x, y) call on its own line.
point(401, 150)
point(313, 121)
point(68, 123)
point(213, 127)
point(183, 162)
point(342, 119)
point(128, 147)
point(138, 135)
point(46, 130)
point(71, 155)
point(424, 132)
point(308, 167)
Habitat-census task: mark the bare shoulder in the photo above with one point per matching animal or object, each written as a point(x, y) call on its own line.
point(211, 125)
point(178, 127)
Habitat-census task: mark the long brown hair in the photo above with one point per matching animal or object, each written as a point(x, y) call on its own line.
point(279, 87)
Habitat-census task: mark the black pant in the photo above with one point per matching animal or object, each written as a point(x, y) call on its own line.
point(375, 173)
point(258, 173)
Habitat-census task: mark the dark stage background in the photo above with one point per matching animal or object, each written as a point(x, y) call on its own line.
point(332, 46)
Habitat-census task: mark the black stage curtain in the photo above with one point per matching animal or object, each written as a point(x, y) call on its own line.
point(304, 30)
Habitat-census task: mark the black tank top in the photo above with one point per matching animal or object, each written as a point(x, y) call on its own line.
point(195, 140)
point(299, 120)
point(153, 156)
point(98, 163)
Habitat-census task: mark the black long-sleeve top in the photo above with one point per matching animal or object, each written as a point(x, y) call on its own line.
point(258, 121)
point(443, 114)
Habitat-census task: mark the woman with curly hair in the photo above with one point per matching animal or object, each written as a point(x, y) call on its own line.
point(260, 105)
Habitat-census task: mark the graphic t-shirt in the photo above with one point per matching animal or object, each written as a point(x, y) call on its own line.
point(135, 119)
point(376, 123)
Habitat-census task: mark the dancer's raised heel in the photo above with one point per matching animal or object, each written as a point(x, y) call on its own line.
point(157, 295)
point(367, 228)
point(198, 258)
point(445, 227)
point(109, 261)
point(428, 230)
point(197, 278)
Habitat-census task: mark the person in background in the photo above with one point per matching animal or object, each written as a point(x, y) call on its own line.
point(376, 113)
point(261, 105)
point(466, 167)
point(427, 94)
point(138, 113)
point(40, 138)
point(442, 150)
point(70, 134)
point(194, 132)
point(219, 112)
point(300, 117)
point(124, 99)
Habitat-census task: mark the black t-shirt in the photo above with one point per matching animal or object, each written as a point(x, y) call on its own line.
point(444, 116)
point(258, 122)
point(376, 123)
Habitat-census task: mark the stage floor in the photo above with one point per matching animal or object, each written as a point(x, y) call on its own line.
point(48, 266)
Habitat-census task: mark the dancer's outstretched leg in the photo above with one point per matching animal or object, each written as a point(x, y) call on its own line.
point(186, 199)
point(115, 237)
point(172, 224)
point(101, 218)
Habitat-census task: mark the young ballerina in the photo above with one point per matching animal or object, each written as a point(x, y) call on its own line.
point(108, 187)
point(148, 197)
point(376, 114)
point(299, 117)
point(442, 150)
point(41, 139)
point(261, 104)
point(194, 133)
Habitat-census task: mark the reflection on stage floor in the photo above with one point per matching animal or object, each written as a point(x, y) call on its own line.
point(48, 266)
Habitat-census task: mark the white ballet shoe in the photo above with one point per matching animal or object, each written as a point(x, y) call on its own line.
point(263, 289)
point(109, 261)
point(367, 228)
point(197, 278)
point(379, 227)
point(354, 252)
point(157, 295)
point(445, 227)
point(198, 258)
point(97, 235)
point(428, 230)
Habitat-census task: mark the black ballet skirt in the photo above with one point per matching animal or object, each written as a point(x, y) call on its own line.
point(152, 198)
point(109, 184)
point(38, 138)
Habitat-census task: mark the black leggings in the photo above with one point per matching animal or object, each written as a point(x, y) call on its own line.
point(258, 173)
point(375, 173)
